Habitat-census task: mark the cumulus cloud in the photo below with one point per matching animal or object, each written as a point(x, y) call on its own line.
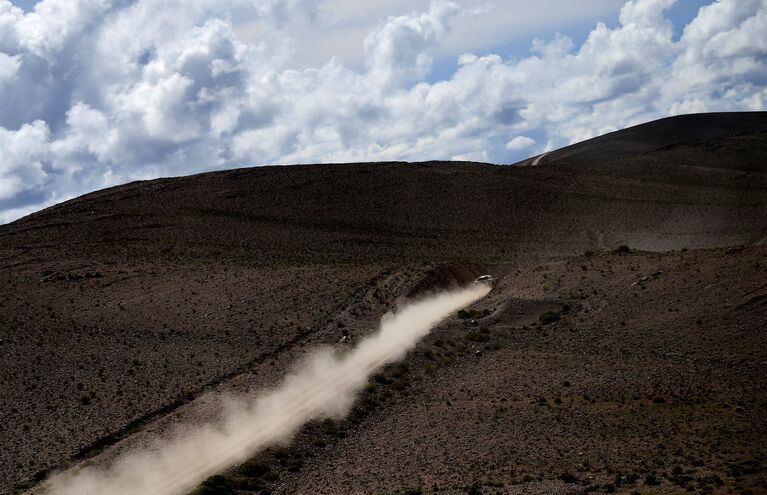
point(99, 92)
point(400, 51)
point(520, 143)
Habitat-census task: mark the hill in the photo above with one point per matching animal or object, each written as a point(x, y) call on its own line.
point(122, 309)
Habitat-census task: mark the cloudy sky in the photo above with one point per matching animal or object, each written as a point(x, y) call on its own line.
point(95, 93)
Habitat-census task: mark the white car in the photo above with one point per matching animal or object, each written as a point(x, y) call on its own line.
point(485, 279)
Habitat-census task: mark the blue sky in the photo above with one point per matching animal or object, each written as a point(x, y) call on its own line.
point(96, 93)
point(27, 5)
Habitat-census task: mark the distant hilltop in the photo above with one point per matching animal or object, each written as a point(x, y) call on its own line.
point(688, 181)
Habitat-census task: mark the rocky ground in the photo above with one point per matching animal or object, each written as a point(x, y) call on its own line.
point(652, 382)
point(126, 311)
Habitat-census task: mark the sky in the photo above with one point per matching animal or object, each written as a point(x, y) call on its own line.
point(95, 93)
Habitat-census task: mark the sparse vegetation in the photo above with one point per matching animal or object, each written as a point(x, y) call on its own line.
point(254, 470)
point(694, 428)
point(295, 465)
point(215, 485)
point(622, 249)
point(548, 317)
point(568, 477)
point(651, 479)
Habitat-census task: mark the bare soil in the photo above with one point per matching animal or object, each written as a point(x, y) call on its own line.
point(125, 311)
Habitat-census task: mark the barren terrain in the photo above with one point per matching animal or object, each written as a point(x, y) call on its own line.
point(124, 311)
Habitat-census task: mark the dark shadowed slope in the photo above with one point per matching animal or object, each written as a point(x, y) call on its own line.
point(654, 136)
point(699, 192)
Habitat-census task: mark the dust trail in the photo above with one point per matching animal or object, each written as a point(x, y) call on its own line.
point(325, 387)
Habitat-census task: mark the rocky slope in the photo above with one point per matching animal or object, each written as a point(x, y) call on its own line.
point(120, 308)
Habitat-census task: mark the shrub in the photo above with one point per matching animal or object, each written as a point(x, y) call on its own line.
point(295, 465)
point(651, 479)
point(474, 489)
point(330, 426)
point(622, 249)
point(548, 317)
point(568, 477)
point(382, 379)
point(319, 443)
point(215, 485)
point(271, 476)
point(249, 485)
point(252, 470)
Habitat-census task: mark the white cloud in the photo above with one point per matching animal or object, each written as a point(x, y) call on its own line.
point(520, 143)
point(23, 153)
point(338, 28)
point(401, 50)
point(9, 66)
point(94, 93)
point(54, 23)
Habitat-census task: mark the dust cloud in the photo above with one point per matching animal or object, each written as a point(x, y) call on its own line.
point(325, 386)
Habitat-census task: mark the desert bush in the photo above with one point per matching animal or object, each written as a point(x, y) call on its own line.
point(319, 443)
point(254, 470)
point(568, 477)
point(271, 476)
point(750, 466)
point(295, 465)
point(651, 479)
point(250, 485)
point(401, 370)
point(215, 485)
point(382, 379)
point(473, 489)
point(548, 317)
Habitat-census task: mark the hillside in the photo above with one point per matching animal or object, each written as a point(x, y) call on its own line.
point(122, 309)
